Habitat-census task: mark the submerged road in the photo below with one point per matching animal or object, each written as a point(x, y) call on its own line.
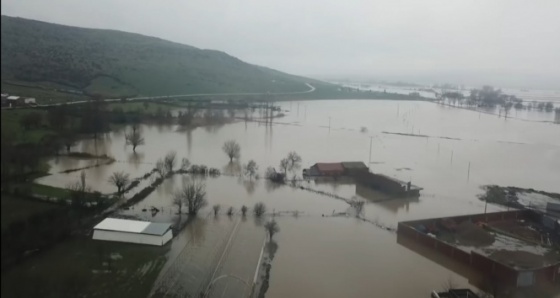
point(214, 257)
point(311, 89)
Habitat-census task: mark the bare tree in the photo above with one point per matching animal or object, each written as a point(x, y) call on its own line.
point(79, 190)
point(185, 164)
point(250, 169)
point(244, 210)
point(232, 150)
point(230, 211)
point(285, 165)
point(178, 201)
point(358, 205)
point(68, 139)
point(194, 195)
point(272, 228)
point(294, 161)
point(120, 180)
point(259, 209)
point(216, 209)
point(134, 138)
point(170, 160)
point(161, 169)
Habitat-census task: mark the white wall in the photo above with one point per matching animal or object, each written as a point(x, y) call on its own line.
point(166, 237)
point(131, 237)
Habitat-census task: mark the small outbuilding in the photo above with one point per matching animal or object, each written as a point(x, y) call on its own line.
point(133, 231)
point(29, 100)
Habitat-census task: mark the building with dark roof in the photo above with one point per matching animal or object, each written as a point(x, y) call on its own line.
point(354, 167)
point(325, 169)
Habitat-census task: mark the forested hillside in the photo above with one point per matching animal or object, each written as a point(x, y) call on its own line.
point(114, 63)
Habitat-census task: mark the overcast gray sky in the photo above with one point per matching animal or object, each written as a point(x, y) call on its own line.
point(501, 42)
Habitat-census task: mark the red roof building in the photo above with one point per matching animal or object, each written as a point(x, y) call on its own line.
point(326, 169)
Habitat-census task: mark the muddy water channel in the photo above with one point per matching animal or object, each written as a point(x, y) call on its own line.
point(450, 152)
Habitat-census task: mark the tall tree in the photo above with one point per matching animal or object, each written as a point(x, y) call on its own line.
point(259, 209)
point(232, 149)
point(285, 165)
point(178, 201)
point(194, 195)
point(120, 180)
point(170, 160)
point(251, 169)
point(294, 161)
point(272, 228)
point(135, 139)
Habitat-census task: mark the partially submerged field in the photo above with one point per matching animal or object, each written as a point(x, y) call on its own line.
point(317, 241)
point(87, 267)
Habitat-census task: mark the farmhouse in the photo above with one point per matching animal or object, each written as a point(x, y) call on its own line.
point(133, 231)
point(325, 169)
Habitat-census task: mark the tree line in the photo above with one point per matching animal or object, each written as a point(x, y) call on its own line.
point(488, 96)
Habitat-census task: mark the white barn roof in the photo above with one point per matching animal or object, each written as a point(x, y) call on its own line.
point(133, 226)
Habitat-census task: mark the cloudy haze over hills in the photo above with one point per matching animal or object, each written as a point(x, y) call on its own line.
point(506, 43)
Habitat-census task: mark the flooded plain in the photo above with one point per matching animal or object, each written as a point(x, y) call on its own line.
point(449, 152)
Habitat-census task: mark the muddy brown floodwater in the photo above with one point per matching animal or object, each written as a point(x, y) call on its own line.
point(454, 153)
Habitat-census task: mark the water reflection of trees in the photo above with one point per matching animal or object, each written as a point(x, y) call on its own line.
point(196, 229)
point(258, 220)
point(135, 159)
point(272, 186)
point(67, 163)
point(214, 128)
point(167, 187)
point(250, 186)
point(232, 168)
point(98, 146)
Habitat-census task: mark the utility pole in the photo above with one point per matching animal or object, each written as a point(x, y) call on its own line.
point(329, 123)
point(469, 172)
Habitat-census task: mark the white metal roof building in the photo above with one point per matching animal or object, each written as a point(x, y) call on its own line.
point(133, 231)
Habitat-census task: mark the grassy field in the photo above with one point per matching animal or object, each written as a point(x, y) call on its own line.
point(49, 191)
point(11, 126)
point(42, 92)
point(16, 209)
point(87, 268)
point(108, 85)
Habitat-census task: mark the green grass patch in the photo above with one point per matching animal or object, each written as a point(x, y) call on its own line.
point(49, 191)
point(108, 86)
point(11, 125)
point(87, 268)
point(18, 209)
point(43, 92)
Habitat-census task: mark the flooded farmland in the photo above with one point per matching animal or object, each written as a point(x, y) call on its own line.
point(449, 152)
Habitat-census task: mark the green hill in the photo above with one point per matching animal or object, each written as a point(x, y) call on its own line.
point(44, 56)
